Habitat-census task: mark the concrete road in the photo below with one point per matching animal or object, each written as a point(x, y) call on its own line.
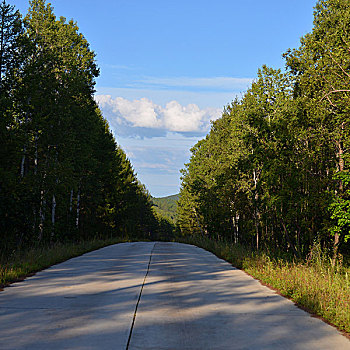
point(184, 297)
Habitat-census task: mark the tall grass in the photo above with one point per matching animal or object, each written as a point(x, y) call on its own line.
point(313, 284)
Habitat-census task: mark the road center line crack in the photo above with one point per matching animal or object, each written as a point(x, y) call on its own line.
point(138, 300)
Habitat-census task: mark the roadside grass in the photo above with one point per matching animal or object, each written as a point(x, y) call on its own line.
point(20, 264)
point(313, 284)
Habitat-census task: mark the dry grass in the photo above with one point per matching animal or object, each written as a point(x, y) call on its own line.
point(321, 289)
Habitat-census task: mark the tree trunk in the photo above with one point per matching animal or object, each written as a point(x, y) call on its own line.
point(24, 152)
point(78, 210)
point(42, 215)
point(42, 208)
point(53, 215)
point(256, 176)
point(23, 161)
point(36, 154)
point(288, 239)
point(341, 189)
point(71, 201)
point(257, 233)
point(199, 225)
point(235, 228)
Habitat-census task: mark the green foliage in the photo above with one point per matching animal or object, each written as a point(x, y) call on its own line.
point(10, 31)
point(340, 208)
point(62, 175)
point(166, 206)
point(273, 170)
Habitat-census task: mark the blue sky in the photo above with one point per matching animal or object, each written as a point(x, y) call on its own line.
point(169, 67)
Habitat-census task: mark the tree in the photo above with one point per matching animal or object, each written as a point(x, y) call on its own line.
point(64, 176)
point(10, 29)
point(321, 66)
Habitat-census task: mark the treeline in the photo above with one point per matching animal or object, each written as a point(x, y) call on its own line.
point(166, 206)
point(273, 171)
point(62, 175)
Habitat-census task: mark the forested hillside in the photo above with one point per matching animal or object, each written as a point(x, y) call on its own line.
point(167, 206)
point(62, 175)
point(273, 172)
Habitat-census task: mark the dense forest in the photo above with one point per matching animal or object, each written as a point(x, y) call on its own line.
point(62, 175)
point(273, 172)
point(166, 206)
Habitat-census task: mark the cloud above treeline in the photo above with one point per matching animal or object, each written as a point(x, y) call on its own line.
point(143, 117)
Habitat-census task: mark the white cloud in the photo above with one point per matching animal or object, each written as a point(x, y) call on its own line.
point(221, 83)
point(184, 118)
point(160, 96)
point(157, 160)
point(144, 113)
point(129, 154)
point(158, 166)
point(140, 113)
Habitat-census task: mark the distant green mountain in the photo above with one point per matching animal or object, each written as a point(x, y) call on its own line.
point(166, 206)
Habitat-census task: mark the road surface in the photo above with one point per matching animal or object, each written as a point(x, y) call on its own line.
point(154, 296)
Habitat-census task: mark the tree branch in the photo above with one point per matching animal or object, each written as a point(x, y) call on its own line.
point(329, 100)
point(347, 74)
point(332, 92)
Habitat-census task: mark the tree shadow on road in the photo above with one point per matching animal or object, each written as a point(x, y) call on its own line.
point(190, 300)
